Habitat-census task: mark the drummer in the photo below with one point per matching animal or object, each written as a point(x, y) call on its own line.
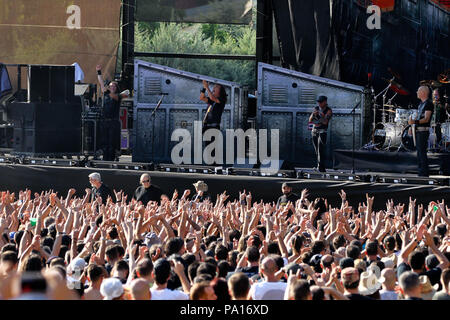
point(440, 113)
point(422, 123)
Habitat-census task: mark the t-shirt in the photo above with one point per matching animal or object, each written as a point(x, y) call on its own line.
point(423, 107)
point(388, 295)
point(284, 199)
point(152, 193)
point(103, 192)
point(268, 290)
point(249, 271)
point(215, 115)
point(441, 295)
point(167, 294)
point(357, 296)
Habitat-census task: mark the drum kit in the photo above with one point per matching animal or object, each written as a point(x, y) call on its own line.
point(394, 132)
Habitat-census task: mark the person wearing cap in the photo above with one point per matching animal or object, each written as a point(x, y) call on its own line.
point(147, 192)
point(201, 189)
point(112, 289)
point(320, 119)
point(99, 189)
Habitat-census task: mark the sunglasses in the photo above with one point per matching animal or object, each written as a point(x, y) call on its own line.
point(145, 181)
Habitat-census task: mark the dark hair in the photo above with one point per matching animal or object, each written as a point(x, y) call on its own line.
point(161, 270)
point(232, 258)
point(327, 262)
point(273, 248)
point(9, 256)
point(192, 270)
point(389, 243)
point(339, 241)
point(256, 241)
point(300, 290)
point(297, 243)
point(220, 287)
point(317, 293)
point(223, 94)
point(9, 247)
point(145, 267)
point(372, 248)
point(352, 285)
point(94, 272)
point(208, 268)
point(66, 240)
point(224, 268)
point(112, 252)
point(234, 234)
point(278, 260)
point(221, 252)
point(317, 247)
point(239, 285)
point(346, 262)
point(252, 254)
point(113, 234)
point(353, 252)
point(48, 241)
point(18, 236)
point(356, 243)
point(188, 258)
point(174, 245)
point(33, 263)
point(211, 260)
point(203, 277)
point(416, 260)
point(57, 262)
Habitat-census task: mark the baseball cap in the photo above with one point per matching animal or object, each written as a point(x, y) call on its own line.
point(151, 239)
point(322, 99)
point(76, 268)
point(111, 288)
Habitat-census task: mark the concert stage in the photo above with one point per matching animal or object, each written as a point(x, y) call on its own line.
point(37, 178)
point(382, 161)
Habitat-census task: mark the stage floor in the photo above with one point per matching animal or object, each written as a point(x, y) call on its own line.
point(38, 177)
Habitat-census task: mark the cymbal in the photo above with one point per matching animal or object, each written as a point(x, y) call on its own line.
point(397, 87)
point(431, 83)
point(390, 106)
point(389, 110)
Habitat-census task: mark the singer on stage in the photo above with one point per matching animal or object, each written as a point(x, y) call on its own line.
point(216, 100)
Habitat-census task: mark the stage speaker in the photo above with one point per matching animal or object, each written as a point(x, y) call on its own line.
point(45, 142)
point(51, 84)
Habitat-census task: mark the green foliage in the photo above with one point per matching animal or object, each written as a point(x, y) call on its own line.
point(202, 39)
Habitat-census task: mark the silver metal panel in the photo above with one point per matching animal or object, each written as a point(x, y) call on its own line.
point(180, 107)
point(293, 95)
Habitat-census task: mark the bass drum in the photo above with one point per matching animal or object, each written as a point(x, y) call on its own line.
point(387, 135)
point(407, 139)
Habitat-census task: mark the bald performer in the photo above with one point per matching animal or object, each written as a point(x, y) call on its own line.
point(146, 191)
point(140, 290)
point(422, 122)
point(271, 288)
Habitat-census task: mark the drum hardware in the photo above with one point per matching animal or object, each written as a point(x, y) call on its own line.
point(397, 87)
point(444, 77)
point(431, 83)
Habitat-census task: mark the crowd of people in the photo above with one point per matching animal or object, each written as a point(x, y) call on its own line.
point(155, 246)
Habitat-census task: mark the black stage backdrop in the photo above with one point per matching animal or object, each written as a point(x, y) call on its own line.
point(413, 41)
point(38, 178)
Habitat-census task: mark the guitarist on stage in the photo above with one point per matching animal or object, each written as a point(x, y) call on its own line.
point(422, 124)
point(320, 119)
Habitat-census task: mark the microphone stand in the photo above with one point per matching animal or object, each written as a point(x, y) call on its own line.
point(153, 116)
point(353, 148)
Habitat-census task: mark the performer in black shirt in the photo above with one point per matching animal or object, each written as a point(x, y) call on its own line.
point(110, 128)
point(422, 123)
point(320, 118)
point(147, 192)
point(99, 188)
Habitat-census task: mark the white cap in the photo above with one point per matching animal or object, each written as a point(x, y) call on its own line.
point(111, 288)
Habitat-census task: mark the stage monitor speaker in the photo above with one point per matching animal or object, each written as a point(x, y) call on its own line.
point(51, 84)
